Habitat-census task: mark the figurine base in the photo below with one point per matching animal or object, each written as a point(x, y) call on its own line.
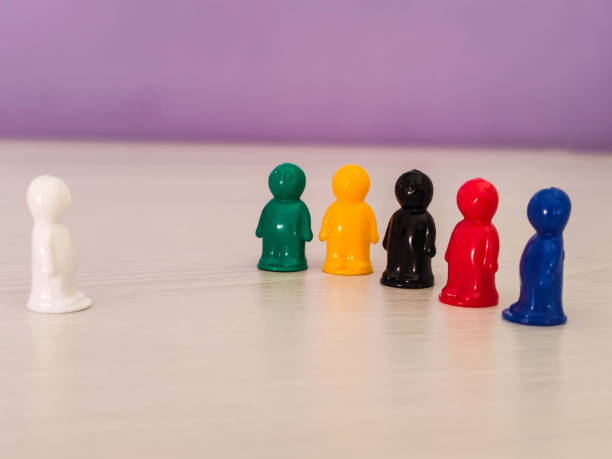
point(79, 303)
point(533, 319)
point(346, 272)
point(411, 284)
point(466, 303)
point(281, 269)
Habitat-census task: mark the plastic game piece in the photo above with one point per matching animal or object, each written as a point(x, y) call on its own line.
point(53, 254)
point(411, 234)
point(349, 224)
point(284, 224)
point(473, 249)
point(541, 268)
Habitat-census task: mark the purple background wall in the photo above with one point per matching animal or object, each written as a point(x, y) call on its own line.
point(525, 72)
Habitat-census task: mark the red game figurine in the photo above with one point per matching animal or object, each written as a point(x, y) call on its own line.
point(473, 248)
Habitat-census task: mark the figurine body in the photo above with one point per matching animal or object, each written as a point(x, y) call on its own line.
point(53, 253)
point(473, 249)
point(284, 224)
point(540, 300)
point(349, 224)
point(411, 234)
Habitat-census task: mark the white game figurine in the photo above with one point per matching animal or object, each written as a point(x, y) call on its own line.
point(53, 254)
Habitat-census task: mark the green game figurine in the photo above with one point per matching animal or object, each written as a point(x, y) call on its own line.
point(284, 224)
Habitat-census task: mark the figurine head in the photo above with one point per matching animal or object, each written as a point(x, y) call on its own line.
point(477, 200)
point(549, 210)
point(287, 182)
point(351, 183)
point(414, 190)
point(48, 199)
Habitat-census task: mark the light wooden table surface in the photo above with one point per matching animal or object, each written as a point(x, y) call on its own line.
point(190, 351)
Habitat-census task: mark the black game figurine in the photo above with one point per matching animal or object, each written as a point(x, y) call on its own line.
point(410, 239)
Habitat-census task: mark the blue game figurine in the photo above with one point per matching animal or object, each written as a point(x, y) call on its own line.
point(542, 262)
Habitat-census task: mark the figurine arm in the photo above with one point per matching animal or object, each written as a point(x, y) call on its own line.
point(450, 244)
point(430, 238)
point(491, 251)
point(305, 225)
point(549, 266)
point(324, 223)
point(372, 228)
point(46, 255)
point(260, 225)
point(385, 242)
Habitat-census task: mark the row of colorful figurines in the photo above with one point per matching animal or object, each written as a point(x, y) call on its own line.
point(349, 227)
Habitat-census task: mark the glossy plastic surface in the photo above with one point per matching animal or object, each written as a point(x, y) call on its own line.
point(284, 224)
point(349, 224)
point(410, 239)
point(53, 254)
point(473, 249)
point(540, 300)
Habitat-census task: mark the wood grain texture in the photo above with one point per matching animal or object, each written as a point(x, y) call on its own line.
point(189, 351)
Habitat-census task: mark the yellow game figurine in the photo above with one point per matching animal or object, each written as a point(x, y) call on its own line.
point(349, 225)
